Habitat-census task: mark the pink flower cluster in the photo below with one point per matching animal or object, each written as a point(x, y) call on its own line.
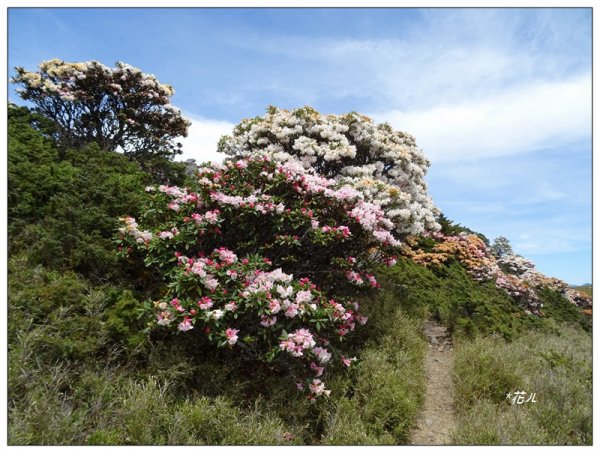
point(372, 218)
point(209, 217)
point(297, 342)
point(253, 202)
point(240, 277)
point(280, 292)
point(341, 231)
point(168, 234)
point(359, 279)
point(519, 291)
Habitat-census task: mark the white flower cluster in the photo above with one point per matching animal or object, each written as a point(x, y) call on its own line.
point(384, 165)
point(61, 77)
point(131, 229)
point(515, 264)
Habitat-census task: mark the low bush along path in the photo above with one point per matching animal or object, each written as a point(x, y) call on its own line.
point(437, 420)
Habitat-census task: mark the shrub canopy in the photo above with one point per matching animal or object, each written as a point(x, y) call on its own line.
point(384, 165)
point(117, 108)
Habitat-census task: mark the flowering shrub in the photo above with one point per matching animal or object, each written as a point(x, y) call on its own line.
point(468, 249)
point(538, 281)
point(579, 298)
point(512, 273)
point(525, 270)
point(263, 256)
point(472, 253)
point(115, 107)
point(515, 264)
point(383, 165)
point(520, 290)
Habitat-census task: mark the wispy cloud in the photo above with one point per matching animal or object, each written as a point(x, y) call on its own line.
point(519, 120)
point(552, 239)
point(529, 234)
point(441, 56)
point(468, 84)
point(522, 119)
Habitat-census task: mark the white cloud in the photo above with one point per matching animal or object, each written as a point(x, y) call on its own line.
point(519, 120)
point(202, 139)
point(523, 119)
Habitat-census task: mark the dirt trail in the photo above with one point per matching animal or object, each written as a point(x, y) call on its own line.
point(436, 421)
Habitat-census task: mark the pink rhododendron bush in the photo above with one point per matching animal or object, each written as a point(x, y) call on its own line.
point(384, 165)
point(263, 257)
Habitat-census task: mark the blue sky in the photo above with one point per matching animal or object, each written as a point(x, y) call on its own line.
point(498, 99)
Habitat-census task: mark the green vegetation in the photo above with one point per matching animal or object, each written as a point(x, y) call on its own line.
point(63, 211)
point(500, 350)
point(561, 310)
point(389, 381)
point(82, 370)
point(556, 366)
point(470, 308)
point(447, 293)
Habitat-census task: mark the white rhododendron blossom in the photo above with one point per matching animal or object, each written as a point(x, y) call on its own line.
point(382, 165)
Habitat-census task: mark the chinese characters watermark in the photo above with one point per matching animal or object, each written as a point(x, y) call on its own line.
point(519, 396)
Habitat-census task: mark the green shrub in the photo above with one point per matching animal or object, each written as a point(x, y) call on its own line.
point(485, 369)
point(448, 293)
point(111, 407)
point(561, 310)
point(488, 424)
point(63, 209)
point(58, 313)
point(43, 415)
point(63, 317)
point(123, 321)
point(217, 422)
point(347, 427)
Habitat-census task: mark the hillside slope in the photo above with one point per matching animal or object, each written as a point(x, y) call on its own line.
point(84, 369)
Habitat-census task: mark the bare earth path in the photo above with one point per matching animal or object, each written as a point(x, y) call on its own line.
point(437, 420)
